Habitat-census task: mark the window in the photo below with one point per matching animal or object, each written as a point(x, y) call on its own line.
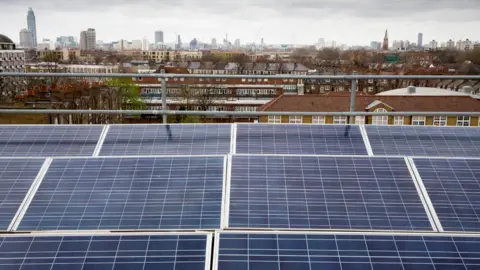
point(463, 121)
point(370, 89)
point(380, 119)
point(274, 119)
point(339, 119)
point(360, 120)
point(418, 120)
point(439, 120)
point(398, 120)
point(318, 119)
point(295, 119)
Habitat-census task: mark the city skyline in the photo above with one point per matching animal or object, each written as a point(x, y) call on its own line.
point(338, 23)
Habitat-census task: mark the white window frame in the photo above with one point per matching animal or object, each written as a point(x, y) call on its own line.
point(340, 119)
point(295, 119)
point(419, 120)
point(360, 120)
point(274, 119)
point(398, 120)
point(318, 119)
point(440, 121)
point(380, 119)
point(463, 121)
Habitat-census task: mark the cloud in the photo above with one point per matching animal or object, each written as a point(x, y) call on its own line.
point(282, 21)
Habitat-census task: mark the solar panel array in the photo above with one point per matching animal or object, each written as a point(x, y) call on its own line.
point(124, 251)
point(208, 139)
point(346, 252)
point(299, 139)
point(270, 192)
point(307, 192)
point(128, 193)
point(424, 141)
point(48, 140)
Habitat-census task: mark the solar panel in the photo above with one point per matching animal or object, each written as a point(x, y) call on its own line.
point(16, 178)
point(128, 193)
point(453, 186)
point(346, 252)
point(293, 192)
point(299, 139)
point(101, 252)
point(53, 140)
point(424, 141)
point(204, 139)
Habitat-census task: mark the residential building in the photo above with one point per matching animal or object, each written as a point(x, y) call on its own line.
point(401, 102)
point(450, 44)
point(11, 59)
point(32, 26)
point(145, 44)
point(88, 40)
point(26, 39)
point(158, 36)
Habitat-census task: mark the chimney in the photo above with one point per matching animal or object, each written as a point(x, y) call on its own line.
point(467, 90)
point(411, 89)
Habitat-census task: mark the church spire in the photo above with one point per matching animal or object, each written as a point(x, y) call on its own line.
point(385, 41)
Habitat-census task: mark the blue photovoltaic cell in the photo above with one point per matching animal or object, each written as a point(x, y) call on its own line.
point(48, 141)
point(347, 252)
point(102, 252)
point(299, 139)
point(424, 141)
point(204, 139)
point(453, 186)
point(128, 193)
point(324, 193)
point(16, 178)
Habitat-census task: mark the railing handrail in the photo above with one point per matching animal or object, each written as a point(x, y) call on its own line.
point(277, 76)
point(231, 113)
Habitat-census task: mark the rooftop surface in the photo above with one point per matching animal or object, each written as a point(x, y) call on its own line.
point(239, 196)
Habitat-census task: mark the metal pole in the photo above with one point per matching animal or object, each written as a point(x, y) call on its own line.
point(164, 99)
point(353, 92)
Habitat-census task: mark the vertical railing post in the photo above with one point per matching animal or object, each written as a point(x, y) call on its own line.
point(164, 99)
point(353, 92)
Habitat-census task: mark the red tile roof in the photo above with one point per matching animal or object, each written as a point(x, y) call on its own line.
point(327, 103)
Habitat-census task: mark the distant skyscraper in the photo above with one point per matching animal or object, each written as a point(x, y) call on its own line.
point(420, 40)
point(214, 42)
point(179, 42)
point(385, 41)
point(237, 43)
point(26, 39)
point(88, 40)
point(158, 36)
point(32, 26)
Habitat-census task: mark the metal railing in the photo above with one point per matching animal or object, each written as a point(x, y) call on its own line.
point(164, 76)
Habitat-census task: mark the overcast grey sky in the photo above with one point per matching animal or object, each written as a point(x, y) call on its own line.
point(277, 21)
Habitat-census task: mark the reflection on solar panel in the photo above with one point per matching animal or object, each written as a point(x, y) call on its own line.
point(133, 252)
point(453, 186)
point(43, 141)
point(347, 252)
point(208, 139)
point(324, 193)
point(16, 178)
point(128, 193)
point(299, 139)
point(424, 141)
